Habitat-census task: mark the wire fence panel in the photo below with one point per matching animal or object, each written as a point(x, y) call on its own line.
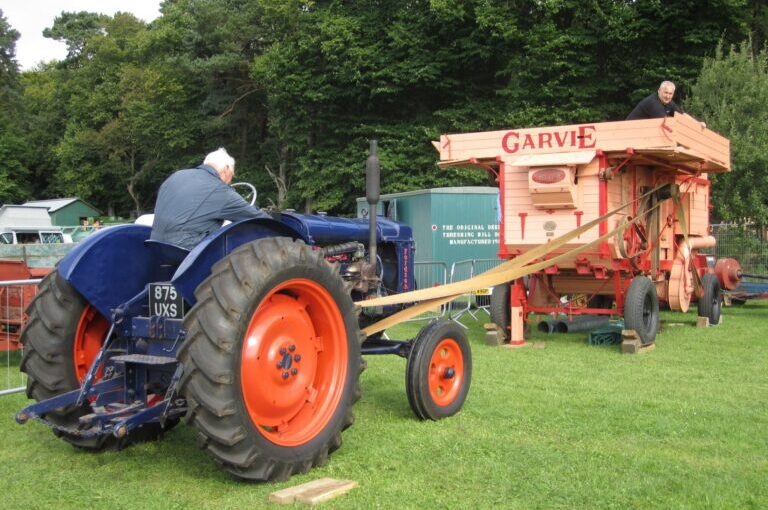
point(748, 244)
point(15, 297)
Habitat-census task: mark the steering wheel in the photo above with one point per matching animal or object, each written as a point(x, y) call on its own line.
point(249, 193)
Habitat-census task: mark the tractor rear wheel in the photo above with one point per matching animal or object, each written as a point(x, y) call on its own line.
point(641, 309)
point(500, 307)
point(271, 360)
point(61, 339)
point(711, 300)
point(439, 370)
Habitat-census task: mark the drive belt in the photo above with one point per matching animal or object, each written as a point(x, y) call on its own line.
point(518, 267)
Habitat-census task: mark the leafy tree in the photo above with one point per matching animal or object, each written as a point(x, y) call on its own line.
point(731, 95)
point(295, 88)
point(75, 29)
point(13, 171)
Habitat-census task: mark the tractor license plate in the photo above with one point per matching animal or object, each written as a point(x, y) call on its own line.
point(482, 292)
point(165, 301)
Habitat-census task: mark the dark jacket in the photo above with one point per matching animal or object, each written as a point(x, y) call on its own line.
point(652, 108)
point(193, 203)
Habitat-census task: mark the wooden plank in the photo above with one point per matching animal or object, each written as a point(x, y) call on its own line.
point(313, 492)
point(289, 495)
point(330, 491)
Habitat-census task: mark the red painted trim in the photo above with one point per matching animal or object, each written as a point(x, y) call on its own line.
point(503, 253)
point(522, 224)
point(618, 292)
point(571, 311)
point(578, 215)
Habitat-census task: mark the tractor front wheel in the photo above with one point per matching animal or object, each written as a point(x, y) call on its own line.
point(439, 370)
point(271, 360)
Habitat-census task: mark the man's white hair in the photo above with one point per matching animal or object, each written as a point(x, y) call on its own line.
point(666, 84)
point(219, 159)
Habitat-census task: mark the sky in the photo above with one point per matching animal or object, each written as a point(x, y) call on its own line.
point(30, 17)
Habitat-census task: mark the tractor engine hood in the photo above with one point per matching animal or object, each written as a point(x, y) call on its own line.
point(322, 230)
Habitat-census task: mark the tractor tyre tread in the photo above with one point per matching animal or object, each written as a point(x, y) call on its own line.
point(710, 303)
point(499, 309)
point(640, 315)
point(48, 361)
point(417, 369)
point(211, 357)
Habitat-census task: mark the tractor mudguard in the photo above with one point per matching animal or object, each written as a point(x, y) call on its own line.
point(196, 267)
point(111, 266)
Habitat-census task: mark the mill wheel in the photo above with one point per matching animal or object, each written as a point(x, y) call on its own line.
point(439, 370)
point(641, 309)
point(62, 338)
point(711, 300)
point(271, 360)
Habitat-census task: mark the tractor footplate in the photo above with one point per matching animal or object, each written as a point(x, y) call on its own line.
point(144, 359)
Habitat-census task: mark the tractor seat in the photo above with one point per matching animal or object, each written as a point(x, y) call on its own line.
point(168, 254)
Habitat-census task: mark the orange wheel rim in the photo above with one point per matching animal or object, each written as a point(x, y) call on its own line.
point(294, 362)
point(89, 337)
point(446, 372)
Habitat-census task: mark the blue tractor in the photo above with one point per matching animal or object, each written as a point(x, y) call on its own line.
point(252, 337)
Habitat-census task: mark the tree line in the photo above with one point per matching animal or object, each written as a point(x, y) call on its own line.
point(294, 89)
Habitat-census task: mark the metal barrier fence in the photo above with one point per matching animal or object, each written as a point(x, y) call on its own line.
point(461, 270)
point(481, 300)
point(430, 274)
point(15, 296)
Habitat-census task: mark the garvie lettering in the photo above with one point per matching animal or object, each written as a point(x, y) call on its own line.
point(582, 138)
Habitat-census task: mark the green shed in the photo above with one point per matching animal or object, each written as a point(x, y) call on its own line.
point(449, 224)
point(67, 212)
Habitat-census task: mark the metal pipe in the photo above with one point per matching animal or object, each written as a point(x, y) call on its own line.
point(11, 391)
point(756, 276)
point(583, 323)
point(545, 326)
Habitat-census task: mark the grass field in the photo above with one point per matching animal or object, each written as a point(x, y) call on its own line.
point(566, 426)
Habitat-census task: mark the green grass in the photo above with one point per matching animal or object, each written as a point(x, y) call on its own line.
point(566, 426)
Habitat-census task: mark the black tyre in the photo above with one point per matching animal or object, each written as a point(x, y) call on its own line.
point(641, 309)
point(439, 370)
point(62, 338)
point(711, 301)
point(271, 360)
point(499, 309)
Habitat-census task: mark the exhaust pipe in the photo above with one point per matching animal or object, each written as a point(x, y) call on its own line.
point(372, 192)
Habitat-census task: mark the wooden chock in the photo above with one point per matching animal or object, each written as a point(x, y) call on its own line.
point(702, 322)
point(631, 343)
point(494, 335)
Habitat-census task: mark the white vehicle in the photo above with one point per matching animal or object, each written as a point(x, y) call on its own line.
point(29, 225)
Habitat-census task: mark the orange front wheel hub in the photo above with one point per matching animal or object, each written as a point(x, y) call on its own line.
point(446, 372)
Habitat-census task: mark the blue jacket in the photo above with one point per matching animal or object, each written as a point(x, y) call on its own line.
point(194, 202)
